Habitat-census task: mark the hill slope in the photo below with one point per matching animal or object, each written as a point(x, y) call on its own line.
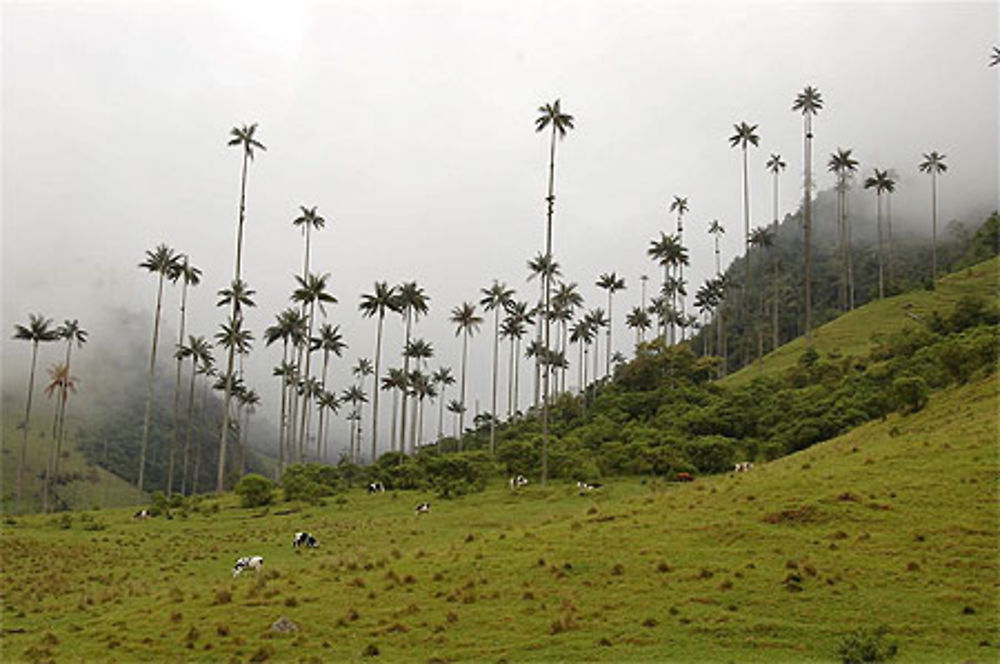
point(852, 333)
point(894, 523)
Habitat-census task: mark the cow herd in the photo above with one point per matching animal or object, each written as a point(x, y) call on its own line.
point(308, 541)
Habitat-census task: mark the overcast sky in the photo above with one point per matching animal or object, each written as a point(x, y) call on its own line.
point(410, 126)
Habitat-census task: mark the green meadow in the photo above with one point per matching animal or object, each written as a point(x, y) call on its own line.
point(893, 524)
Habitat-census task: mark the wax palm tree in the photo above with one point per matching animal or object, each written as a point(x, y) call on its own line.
point(71, 331)
point(420, 351)
point(466, 324)
point(582, 333)
point(842, 164)
point(249, 400)
point(680, 206)
point(550, 116)
point(933, 164)
point(191, 276)
point(290, 327)
point(546, 268)
point(704, 302)
point(394, 380)
point(763, 240)
point(597, 320)
point(611, 282)
point(238, 296)
point(412, 302)
point(242, 137)
point(563, 303)
point(198, 350)
point(329, 340)
point(881, 183)
point(442, 377)
point(381, 300)
point(455, 407)
point(361, 370)
point(808, 102)
point(308, 220)
point(312, 291)
point(515, 327)
point(775, 165)
point(745, 136)
point(638, 319)
point(207, 371)
point(326, 401)
point(355, 396)
point(60, 383)
point(496, 298)
point(421, 388)
point(715, 229)
point(161, 261)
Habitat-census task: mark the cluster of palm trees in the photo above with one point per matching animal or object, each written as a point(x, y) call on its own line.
point(37, 331)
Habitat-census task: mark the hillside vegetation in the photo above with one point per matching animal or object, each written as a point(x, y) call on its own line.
point(893, 524)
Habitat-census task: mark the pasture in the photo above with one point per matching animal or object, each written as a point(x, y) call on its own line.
point(893, 524)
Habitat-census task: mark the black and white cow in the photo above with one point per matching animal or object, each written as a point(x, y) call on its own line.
point(743, 467)
point(423, 508)
point(304, 539)
point(247, 562)
point(587, 486)
point(141, 515)
point(376, 487)
point(517, 482)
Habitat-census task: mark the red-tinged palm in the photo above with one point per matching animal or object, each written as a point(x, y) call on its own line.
point(411, 303)
point(933, 164)
point(60, 384)
point(612, 283)
point(308, 220)
point(198, 350)
point(377, 303)
point(161, 261)
point(496, 298)
point(809, 102)
point(71, 331)
point(467, 323)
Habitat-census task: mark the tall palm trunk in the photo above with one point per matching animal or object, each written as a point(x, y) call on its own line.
point(510, 381)
point(881, 248)
point(547, 371)
point(807, 226)
point(198, 447)
point(284, 407)
point(441, 400)
point(850, 255)
point(395, 411)
point(306, 397)
point(220, 478)
point(934, 227)
point(611, 319)
point(27, 422)
point(177, 392)
point(406, 372)
point(187, 433)
point(746, 254)
point(775, 335)
point(461, 413)
point(517, 373)
point(888, 237)
point(64, 397)
point(496, 356)
point(375, 388)
point(149, 389)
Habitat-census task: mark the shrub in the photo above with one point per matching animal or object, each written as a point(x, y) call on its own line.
point(710, 454)
point(866, 645)
point(255, 490)
point(458, 473)
point(158, 504)
point(310, 482)
point(911, 393)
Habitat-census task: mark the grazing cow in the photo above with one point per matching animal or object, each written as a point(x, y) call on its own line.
point(587, 486)
point(684, 477)
point(247, 562)
point(141, 514)
point(743, 467)
point(376, 487)
point(423, 508)
point(517, 481)
point(304, 539)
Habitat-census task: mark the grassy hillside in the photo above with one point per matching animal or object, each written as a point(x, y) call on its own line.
point(853, 332)
point(894, 524)
point(83, 485)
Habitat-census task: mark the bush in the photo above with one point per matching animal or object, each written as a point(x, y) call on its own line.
point(255, 491)
point(911, 393)
point(159, 505)
point(710, 454)
point(866, 645)
point(310, 482)
point(456, 474)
